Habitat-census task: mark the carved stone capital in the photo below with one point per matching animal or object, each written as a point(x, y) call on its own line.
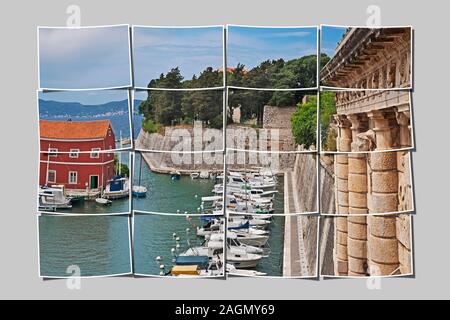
point(403, 118)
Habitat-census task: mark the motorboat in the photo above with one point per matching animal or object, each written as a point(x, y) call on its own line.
point(232, 270)
point(241, 259)
point(238, 256)
point(51, 199)
point(253, 222)
point(117, 188)
point(249, 238)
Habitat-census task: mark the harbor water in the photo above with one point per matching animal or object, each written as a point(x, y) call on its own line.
point(153, 233)
point(165, 195)
point(97, 245)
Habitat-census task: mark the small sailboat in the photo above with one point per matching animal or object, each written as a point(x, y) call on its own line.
point(139, 191)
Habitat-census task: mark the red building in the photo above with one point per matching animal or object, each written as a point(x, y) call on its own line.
point(70, 153)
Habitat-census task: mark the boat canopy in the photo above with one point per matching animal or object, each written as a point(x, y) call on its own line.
point(191, 270)
point(242, 226)
point(116, 184)
point(201, 261)
point(208, 218)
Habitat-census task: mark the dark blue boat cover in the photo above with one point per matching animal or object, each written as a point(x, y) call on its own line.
point(202, 261)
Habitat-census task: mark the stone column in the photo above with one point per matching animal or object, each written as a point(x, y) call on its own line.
point(344, 145)
point(357, 198)
point(382, 239)
point(403, 120)
point(382, 130)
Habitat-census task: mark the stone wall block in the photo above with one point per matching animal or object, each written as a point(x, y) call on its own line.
point(358, 200)
point(382, 161)
point(357, 267)
point(357, 231)
point(383, 203)
point(384, 181)
point(342, 171)
point(357, 164)
point(352, 210)
point(342, 185)
point(341, 267)
point(357, 219)
point(341, 238)
point(341, 224)
point(357, 248)
point(382, 226)
point(342, 198)
point(341, 252)
point(378, 269)
point(357, 182)
point(342, 159)
point(383, 250)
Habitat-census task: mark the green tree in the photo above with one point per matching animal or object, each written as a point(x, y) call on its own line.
point(304, 122)
point(164, 106)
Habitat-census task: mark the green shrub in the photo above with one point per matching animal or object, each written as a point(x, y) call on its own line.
point(304, 123)
point(149, 126)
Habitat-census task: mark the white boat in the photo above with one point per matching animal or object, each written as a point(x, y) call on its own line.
point(232, 270)
point(103, 201)
point(204, 175)
point(233, 241)
point(117, 188)
point(241, 259)
point(249, 238)
point(253, 222)
point(195, 175)
point(244, 216)
point(235, 255)
point(51, 199)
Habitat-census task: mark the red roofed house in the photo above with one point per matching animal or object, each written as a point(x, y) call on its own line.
point(62, 160)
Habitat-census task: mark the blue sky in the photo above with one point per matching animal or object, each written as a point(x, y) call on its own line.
point(331, 36)
point(86, 97)
point(84, 58)
point(157, 50)
point(251, 46)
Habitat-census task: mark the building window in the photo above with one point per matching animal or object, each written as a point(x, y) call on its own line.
point(73, 177)
point(51, 176)
point(74, 153)
point(95, 153)
point(52, 152)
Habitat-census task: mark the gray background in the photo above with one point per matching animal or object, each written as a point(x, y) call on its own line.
point(19, 160)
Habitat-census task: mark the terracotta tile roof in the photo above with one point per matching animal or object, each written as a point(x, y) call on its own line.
point(74, 129)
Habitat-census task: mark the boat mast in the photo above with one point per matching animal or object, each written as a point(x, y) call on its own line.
point(140, 169)
point(120, 154)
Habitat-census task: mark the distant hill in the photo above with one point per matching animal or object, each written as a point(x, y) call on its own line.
point(116, 111)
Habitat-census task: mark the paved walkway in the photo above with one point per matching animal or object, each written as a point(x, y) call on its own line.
point(294, 261)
